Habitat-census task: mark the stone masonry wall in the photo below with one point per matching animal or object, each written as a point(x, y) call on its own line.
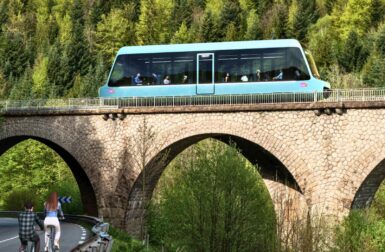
point(329, 156)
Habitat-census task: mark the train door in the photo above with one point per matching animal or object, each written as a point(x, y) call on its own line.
point(205, 73)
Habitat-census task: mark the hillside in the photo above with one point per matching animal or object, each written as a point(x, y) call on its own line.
point(64, 48)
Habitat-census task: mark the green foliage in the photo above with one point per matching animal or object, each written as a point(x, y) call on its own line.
point(155, 22)
point(374, 71)
point(323, 42)
point(377, 12)
point(21, 89)
point(230, 21)
point(253, 29)
point(360, 231)
point(40, 78)
point(209, 30)
point(303, 14)
point(115, 30)
point(182, 35)
point(274, 22)
point(14, 56)
point(16, 199)
point(217, 202)
point(350, 53)
point(379, 201)
point(356, 16)
point(4, 86)
point(124, 242)
point(63, 40)
point(341, 79)
point(33, 167)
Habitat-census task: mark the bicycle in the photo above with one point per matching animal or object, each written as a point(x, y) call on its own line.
point(30, 246)
point(51, 238)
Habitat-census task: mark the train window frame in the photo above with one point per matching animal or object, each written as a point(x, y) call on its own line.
point(180, 67)
point(268, 60)
point(268, 64)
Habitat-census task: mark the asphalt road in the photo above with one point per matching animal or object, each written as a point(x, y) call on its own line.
point(71, 236)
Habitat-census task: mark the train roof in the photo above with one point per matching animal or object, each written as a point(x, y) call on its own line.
point(212, 46)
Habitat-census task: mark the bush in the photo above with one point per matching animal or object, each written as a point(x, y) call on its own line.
point(16, 199)
point(218, 202)
point(124, 242)
point(362, 230)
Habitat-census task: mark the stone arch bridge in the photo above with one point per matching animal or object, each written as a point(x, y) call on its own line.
point(325, 162)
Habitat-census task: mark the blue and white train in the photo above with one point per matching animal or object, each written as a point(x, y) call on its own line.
point(223, 68)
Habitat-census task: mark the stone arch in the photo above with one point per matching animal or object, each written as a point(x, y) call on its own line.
point(367, 174)
point(138, 199)
point(284, 154)
point(62, 140)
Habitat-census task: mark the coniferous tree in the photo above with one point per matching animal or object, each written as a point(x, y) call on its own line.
point(329, 4)
point(323, 42)
point(230, 14)
point(4, 86)
point(114, 31)
point(66, 73)
point(374, 71)
point(53, 30)
point(292, 18)
point(377, 12)
point(182, 35)
point(154, 22)
point(79, 57)
point(356, 15)
point(208, 30)
point(21, 89)
point(94, 79)
point(232, 33)
point(182, 14)
point(274, 22)
point(262, 6)
point(380, 40)
point(3, 13)
point(14, 55)
point(305, 14)
point(350, 53)
point(40, 78)
point(253, 27)
point(54, 69)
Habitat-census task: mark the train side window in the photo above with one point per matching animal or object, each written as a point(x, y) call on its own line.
point(256, 65)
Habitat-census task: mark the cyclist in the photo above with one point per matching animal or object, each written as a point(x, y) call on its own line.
point(52, 208)
point(27, 229)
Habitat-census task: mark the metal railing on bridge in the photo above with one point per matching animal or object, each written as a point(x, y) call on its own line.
point(338, 95)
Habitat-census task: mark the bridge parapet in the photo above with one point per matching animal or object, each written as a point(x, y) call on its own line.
point(337, 99)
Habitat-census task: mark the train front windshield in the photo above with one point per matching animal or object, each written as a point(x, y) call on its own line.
point(312, 65)
point(252, 65)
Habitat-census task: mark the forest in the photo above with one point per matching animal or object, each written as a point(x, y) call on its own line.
point(64, 48)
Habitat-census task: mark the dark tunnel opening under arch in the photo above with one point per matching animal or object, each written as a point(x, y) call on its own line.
point(86, 190)
point(367, 190)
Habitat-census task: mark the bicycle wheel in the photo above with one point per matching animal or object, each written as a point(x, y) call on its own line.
point(32, 247)
point(51, 236)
